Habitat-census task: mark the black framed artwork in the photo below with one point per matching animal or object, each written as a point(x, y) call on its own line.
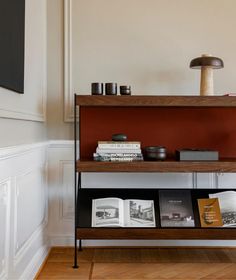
point(12, 44)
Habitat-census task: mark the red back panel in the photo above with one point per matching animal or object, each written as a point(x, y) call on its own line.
point(174, 128)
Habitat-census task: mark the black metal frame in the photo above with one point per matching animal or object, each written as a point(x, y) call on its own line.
point(77, 187)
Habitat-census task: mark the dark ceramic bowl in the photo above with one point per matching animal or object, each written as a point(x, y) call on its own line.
point(155, 153)
point(125, 90)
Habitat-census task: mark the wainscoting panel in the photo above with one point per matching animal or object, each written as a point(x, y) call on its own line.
point(5, 231)
point(61, 189)
point(137, 180)
point(28, 222)
point(205, 180)
point(23, 190)
point(226, 180)
point(67, 185)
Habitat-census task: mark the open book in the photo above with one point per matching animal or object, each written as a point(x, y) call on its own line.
point(227, 201)
point(115, 212)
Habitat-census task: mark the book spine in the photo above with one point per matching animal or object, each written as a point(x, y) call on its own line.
point(118, 154)
point(98, 157)
point(118, 151)
point(119, 145)
point(125, 159)
point(118, 159)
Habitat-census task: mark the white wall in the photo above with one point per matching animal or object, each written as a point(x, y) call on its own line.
point(31, 106)
point(147, 44)
point(56, 128)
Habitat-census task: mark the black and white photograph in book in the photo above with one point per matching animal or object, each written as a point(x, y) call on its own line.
point(227, 202)
point(176, 208)
point(141, 212)
point(106, 212)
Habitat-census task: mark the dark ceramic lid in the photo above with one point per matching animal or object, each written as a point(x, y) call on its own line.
point(125, 87)
point(155, 149)
point(119, 137)
point(207, 60)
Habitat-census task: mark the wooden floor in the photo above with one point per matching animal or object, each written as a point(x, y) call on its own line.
point(114, 264)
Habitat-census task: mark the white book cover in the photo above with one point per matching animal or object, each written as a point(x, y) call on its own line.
point(115, 212)
point(118, 151)
point(118, 145)
point(227, 202)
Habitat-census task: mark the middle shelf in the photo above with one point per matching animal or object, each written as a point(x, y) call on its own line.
point(221, 166)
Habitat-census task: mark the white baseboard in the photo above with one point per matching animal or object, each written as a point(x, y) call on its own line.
point(35, 264)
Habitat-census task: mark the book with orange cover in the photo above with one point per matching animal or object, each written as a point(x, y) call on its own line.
point(209, 211)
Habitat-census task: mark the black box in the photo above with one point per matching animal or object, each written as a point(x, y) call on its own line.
point(196, 155)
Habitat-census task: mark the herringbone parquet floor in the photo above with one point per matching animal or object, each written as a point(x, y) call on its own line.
point(169, 263)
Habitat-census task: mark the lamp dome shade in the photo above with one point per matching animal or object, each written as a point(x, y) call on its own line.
point(210, 61)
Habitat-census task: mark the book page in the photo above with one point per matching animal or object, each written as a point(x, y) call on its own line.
point(139, 213)
point(107, 212)
point(227, 201)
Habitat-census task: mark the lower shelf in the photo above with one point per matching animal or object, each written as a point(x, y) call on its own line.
point(155, 234)
point(85, 231)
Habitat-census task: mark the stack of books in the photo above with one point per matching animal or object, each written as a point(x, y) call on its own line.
point(118, 151)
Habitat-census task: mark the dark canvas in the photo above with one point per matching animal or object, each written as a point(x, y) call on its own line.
point(12, 33)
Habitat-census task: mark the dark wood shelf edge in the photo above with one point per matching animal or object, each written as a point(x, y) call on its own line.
point(157, 100)
point(155, 234)
point(221, 166)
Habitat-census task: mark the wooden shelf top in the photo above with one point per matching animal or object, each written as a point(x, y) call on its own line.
point(157, 233)
point(221, 166)
point(156, 101)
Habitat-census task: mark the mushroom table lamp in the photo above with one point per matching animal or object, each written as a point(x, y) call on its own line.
point(206, 63)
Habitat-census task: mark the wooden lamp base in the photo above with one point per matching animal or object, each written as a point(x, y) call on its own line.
point(206, 87)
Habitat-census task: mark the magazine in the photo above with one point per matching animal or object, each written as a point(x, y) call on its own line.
point(176, 208)
point(115, 212)
point(227, 201)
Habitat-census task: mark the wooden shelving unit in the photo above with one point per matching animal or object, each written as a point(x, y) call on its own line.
point(215, 115)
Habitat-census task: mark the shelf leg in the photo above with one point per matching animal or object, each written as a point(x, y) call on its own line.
point(77, 189)
point(76, 219)
point(80, 245)
point(75, 266)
